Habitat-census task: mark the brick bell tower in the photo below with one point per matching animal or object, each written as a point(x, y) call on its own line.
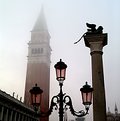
point(38, 65)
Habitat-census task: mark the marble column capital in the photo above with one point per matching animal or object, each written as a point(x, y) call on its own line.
point(95, 42)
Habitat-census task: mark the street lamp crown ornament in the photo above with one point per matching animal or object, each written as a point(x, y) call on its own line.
point(62, 102)
point(36, 90)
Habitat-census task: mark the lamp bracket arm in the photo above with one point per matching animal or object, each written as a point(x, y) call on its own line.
point(68, 103)
point(53, 104)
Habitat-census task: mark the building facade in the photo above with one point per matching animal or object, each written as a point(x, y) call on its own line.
point(38, 65)
point(113, 116)
point(12, 109)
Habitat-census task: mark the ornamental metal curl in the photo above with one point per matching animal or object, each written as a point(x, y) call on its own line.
point(62, 102)
point(52, 105)
point(68, 103)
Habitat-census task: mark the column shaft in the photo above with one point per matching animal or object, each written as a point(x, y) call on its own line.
point(1, 113)
point(96, 42)
point(99, 104)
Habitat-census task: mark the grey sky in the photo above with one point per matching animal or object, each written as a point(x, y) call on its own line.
point(66, 23)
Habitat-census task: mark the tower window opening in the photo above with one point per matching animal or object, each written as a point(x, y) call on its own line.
point(37, 51)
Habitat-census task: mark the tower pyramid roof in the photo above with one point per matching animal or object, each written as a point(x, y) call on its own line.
point(40, 24)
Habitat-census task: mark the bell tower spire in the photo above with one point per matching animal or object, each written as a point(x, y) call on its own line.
point(40, 24)
point(38, 65)
point(39, 46)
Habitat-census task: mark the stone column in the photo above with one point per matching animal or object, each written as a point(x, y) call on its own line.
point(11, 116)
point(15, 116)
point(19, 116)
point(22, 118)
point(6, 115)
point(1, 113)
point(96, 42)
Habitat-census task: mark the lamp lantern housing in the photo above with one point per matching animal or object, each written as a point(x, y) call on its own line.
point(60, 71)
point(36, 96)
point(86, 92)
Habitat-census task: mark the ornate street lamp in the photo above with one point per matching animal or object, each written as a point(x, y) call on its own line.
point(86, 92)
point(60, 71)
point(62, 102)
point(36, 96)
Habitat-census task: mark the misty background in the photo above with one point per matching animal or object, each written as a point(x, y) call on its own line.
point(66, 20)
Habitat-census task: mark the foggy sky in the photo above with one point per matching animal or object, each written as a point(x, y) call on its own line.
point(66, 21)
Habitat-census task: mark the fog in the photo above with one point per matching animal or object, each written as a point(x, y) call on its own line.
point(66, 20)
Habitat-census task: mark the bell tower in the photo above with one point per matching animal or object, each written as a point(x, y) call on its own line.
point(38, 65)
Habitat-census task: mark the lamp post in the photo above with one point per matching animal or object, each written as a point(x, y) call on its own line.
point(61, 101)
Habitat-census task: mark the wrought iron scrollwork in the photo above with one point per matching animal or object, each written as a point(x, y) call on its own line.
point(68, 103)
point(53, 105)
